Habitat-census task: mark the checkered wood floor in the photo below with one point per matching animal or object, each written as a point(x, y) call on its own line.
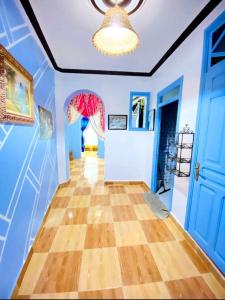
point(102, 241)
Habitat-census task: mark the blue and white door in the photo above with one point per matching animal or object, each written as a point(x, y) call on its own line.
point(207, 215)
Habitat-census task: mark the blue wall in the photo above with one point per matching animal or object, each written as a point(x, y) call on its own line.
point(101, 149)
point(28, 167)
point(74, 141)
point(74, 131)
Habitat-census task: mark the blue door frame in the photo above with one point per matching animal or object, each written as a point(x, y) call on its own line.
point(205, 66)
point(175, 84)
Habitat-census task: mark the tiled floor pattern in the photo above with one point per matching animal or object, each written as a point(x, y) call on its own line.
point(102, 241)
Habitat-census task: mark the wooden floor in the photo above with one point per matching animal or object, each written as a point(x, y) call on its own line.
point(102, 241)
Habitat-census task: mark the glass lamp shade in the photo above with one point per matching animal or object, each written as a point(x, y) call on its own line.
point(116, 35)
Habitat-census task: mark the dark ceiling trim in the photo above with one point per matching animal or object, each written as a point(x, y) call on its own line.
point(210, 6)
point(30, 13)
point(103, 72)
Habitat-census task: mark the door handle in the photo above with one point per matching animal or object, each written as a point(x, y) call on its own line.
point(197, 171)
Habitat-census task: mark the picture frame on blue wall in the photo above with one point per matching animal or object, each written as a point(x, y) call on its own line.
point(152, 120)
point(16, 91)
point(46, 123)
point(117, 122)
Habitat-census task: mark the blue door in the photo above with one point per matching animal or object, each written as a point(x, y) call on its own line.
point(207, 215)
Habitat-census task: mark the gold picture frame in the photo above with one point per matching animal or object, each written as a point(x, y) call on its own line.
point(16, 91)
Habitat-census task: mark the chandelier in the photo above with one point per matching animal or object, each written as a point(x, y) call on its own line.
point(116, 35)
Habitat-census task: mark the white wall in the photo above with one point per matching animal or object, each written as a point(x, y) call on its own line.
point(125, 151)
point(187, 61)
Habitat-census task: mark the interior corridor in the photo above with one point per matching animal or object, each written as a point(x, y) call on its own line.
point(102, 241)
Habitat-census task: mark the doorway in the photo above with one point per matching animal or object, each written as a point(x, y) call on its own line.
point(167, 122)
point(166, 148)
point(206, 205)
point(89, 138)
point(85, 126)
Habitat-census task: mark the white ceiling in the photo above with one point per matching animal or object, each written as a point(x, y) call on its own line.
point(68, 27)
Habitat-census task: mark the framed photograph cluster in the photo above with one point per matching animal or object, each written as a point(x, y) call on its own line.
point(17, 96)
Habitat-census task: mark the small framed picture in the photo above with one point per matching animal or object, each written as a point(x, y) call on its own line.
point(46, 123)
point(117, 122)
point(152, 120)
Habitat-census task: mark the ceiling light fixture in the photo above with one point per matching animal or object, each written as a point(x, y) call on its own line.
point(116, 35)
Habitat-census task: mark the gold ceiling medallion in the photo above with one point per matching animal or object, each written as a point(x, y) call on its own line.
point(116, 35)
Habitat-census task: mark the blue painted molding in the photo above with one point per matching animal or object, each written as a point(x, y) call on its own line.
point(147, 95)
point(28, 172)
point(176, 83)
point(205, 66)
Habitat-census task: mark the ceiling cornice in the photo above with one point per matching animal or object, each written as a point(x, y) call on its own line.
point(210, 6)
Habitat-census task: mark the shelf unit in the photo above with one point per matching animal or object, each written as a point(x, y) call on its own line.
point(180, 162)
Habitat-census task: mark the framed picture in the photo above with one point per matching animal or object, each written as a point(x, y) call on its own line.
point(152, 120)
point(139, 111)
point(16, 91)
point(46, 124)
point(117, 122)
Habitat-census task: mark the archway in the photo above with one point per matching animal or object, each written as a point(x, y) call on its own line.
point(80, 105)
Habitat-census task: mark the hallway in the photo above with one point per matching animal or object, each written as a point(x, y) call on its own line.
point(102, 241)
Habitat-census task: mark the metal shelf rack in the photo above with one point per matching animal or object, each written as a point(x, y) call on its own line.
point(180, 162)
